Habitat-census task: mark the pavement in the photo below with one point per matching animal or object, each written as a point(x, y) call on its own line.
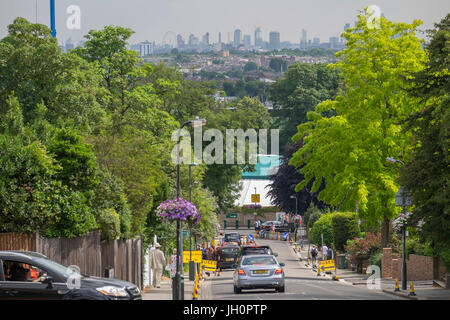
point(165, 292)
point(423, 289)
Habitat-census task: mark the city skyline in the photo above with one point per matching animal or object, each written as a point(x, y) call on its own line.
point(151, 20)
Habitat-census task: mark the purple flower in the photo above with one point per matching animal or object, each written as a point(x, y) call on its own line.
point(178, 209)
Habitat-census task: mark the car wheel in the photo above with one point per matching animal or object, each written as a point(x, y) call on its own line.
point(237, 290)
point(280, 289)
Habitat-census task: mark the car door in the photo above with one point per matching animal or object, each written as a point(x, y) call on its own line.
point(13, 289)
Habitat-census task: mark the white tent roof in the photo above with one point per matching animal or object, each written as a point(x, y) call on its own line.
point(248, 188)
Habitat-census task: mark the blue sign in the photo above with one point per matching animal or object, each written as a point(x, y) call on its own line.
point(285, 236)
point(250, 238)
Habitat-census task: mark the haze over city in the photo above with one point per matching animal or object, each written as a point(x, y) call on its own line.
point(152, 19)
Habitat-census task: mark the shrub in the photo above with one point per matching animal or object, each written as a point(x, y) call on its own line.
point(345, 226)
point(375, 259)
point(360, 249)
point(323, 226)
point(109, 223)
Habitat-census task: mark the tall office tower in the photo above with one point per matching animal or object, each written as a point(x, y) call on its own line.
point(220, 37)
point(316, 41)
point(258, 38)
point(206, 38)
point(191, 39)
point(237, 38)
point(247, 41)
point(274, 40)
point(334, 41)
point(304, 40)
point(180, 41)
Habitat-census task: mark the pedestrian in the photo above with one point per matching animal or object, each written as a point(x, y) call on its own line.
point(173, 264)
point(314, 253)
point(324, 252)
point(157, 262)
point(330, 253)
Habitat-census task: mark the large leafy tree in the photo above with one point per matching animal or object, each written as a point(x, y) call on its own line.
point(284, 182)
point(427, 174)
point(301, 88)
point(348, 150)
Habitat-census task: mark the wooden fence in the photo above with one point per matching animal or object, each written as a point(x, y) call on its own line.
point(89, 253)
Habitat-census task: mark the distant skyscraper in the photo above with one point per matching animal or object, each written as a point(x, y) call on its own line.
point(274, 40)
point(316, 41)
point(220, 37)
point(247, 40)
point(258, 38)
point(237, 38)
point(206, 38)
point(180, 41)
point(304, 40)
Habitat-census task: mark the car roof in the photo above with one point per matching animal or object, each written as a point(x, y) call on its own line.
point(255, 246)
point(22, 254)
point(259, 256)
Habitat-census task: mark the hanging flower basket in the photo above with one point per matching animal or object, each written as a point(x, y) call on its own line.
point(254, 206)
point(179, 209)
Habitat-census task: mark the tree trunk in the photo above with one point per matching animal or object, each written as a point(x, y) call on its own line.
point(385, 232)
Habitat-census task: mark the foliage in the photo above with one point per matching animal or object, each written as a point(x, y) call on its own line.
point(283, 183)
point(109, 223)
point(300, 89)
point(250, 66)
point(360, 249)
point(348, 150)
point(427, 175)
point(323, 225)
point(376, 257)
point(278, 65)
point(345, 227)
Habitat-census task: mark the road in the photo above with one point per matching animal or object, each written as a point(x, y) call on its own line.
point(301, 283)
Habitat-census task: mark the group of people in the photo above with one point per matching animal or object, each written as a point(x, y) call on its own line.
point(327, 253)
point(158, 264)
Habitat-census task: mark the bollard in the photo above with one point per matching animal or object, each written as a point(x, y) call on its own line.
point(195, 292)
point(318, 272)
point(218, 272)
point(411, 289)
point(397, 288)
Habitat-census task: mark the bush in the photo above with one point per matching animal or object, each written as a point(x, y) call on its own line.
point(375, 259)
point(323, 226)
point(345, 227)
point(360, 249)
point(109, 223)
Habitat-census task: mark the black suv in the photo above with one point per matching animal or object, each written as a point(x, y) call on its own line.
point(29, 275)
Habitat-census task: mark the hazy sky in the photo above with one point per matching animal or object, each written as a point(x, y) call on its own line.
point(152, 19)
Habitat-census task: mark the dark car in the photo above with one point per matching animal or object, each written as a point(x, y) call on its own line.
point(279, 226)
point(227, 256)
point(232, 237)
point(255, 250)
point(29, 275)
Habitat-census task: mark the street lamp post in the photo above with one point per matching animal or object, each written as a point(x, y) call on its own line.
point(296, 212)
point(403, 194)
point(192, 271)
point(179, 276)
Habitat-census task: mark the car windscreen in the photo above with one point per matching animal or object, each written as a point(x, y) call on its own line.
point(251, 251)
point(231, 236)
point(261, 260)
point(229, 251)
point(50, 265)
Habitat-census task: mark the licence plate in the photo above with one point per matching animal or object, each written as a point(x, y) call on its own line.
point(229, 259)
point(260, 271)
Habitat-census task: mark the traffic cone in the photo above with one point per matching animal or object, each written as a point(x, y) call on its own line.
point(397, 288)
point(195, 292)
point(411, 289)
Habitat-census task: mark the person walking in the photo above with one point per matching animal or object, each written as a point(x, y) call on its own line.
point(173, 264)
point(324, 252)
point(314, 253)
point(330, 253)
point(157, 262)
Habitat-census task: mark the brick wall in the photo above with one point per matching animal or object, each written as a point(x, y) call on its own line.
point(244, 217)
point(417, 267)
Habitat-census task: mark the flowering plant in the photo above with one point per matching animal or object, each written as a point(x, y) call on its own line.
point(254, 206)
point(179, 209)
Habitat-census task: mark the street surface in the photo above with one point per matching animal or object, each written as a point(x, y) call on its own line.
point(301, 283)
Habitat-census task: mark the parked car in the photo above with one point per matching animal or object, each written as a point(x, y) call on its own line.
point(227, 256)
point(259, 271)
point(279, 226)
point(232, 237)
point(30, 275)
point(256, 249)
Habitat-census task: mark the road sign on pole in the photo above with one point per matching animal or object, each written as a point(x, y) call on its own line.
point(256, 198)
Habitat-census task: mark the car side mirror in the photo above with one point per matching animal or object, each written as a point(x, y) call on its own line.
point(275, 254)
point(282, 264)
point(49, 281)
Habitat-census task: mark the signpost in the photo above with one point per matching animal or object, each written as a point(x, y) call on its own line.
point(256, 198)
point(196, 256)
point(209, 265)
point(327, 265)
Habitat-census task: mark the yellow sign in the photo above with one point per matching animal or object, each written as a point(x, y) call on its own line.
point(209, 265)
point(213, 242)
point(196, 256)
point(327, 265)
point(255, 198)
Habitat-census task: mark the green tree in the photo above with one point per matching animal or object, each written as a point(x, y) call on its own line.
point(250, 66)
point(349, 149)
point(427, 174)
point(300, 89)
point(323, 226)
point(345, 227)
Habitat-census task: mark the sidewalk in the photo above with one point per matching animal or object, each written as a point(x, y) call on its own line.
point(424, 289)
point(165, 292)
